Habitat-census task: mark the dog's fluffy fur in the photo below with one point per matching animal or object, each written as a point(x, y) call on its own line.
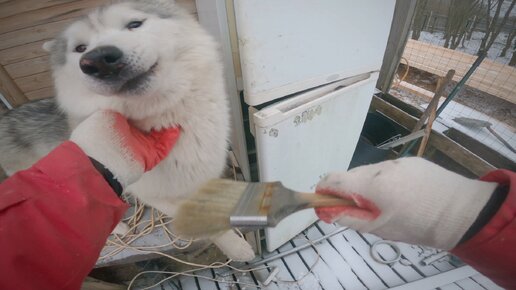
point(30, 132)
point(173, 77)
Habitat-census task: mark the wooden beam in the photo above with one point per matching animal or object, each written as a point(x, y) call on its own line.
point(485, 152)
point(27, 16)
point(10, 8)
point(398, 36)
point(37, 17)
point(419, 91)
point(35, 81)
point(432, 107)
point(32, 34)
point(435, 99)
point(405, 107)
point(461, 155)
point(455, 151)
point(23, 52)
point(28, 67)
point(396, 114)
point(10, 89)
point(39, 94)
point(428, 130)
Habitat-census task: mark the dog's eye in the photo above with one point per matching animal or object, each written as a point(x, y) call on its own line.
point(80, 48)
point(134, 24)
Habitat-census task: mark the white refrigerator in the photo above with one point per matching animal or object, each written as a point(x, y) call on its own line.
point(307, 70)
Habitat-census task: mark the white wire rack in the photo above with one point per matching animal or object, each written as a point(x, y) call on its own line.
point(343, 261)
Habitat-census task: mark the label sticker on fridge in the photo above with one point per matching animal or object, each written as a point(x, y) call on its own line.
point(307, 115)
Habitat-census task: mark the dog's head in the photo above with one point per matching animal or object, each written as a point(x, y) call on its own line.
point(120, 50)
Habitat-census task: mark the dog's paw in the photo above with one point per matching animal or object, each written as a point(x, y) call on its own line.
point(234, 247)
point(120, 229)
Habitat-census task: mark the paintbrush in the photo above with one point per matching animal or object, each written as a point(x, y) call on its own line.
point(221, 204)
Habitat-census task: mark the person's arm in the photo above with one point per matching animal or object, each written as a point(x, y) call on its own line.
point(54, 220)
point(415, 201)
point(490, 243)
point(56, 216)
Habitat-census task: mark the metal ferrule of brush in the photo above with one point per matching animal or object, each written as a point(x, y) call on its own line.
point(264, 205)
point(253, 207)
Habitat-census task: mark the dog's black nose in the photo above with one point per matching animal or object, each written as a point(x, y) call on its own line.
point(103, 62)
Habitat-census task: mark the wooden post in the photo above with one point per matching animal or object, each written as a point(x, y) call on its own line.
point(428, 130)
point(217, 16)
point(398, 36)
point(441, 143)
point(433, 103)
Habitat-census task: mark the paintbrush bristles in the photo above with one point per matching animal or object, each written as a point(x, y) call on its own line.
point(206, 213)
point(212, 209)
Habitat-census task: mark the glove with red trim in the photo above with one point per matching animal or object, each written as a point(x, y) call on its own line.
point(409, 199)
point(127, 152)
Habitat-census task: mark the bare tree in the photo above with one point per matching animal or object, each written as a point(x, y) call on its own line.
point(509, 39)
point(419, 19)
point(494, 24)
point(512, 62)
point(458, 22)
point(472, 26)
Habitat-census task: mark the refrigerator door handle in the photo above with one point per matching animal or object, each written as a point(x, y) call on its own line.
point(316, 99)
point(297, 104)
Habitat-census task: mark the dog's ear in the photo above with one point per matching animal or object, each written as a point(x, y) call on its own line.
point(49, 45)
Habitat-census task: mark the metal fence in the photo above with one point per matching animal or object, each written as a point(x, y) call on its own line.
point(486, 108)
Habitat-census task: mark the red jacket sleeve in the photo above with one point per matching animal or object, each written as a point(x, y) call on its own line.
point(492, 251)
point(54, 220)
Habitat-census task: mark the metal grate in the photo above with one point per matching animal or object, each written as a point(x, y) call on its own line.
point(344, 262)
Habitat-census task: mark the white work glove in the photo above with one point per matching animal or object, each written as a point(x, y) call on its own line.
point(410, 200)
point(127, 152)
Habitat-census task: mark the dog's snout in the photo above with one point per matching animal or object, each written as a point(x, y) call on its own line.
point(102, 62)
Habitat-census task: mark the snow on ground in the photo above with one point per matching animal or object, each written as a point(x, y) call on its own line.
point(505, 6)
point(472, 46)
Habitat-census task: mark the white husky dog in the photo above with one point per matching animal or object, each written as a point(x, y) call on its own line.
point(152, 62)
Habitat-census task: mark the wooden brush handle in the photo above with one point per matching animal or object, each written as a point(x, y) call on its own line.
point(324, 200)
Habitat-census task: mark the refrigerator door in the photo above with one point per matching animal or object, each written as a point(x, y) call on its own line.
point(287, 46)
point(304, 137)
